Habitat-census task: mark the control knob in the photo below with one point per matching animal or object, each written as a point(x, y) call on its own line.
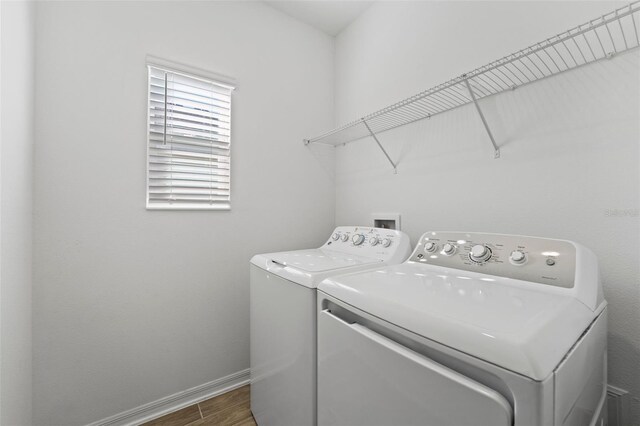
point(386, 242)
point(449, 249)
point(357, 239)
point(344, 237)
point(480, 253)
point(430, 247)
point(335, 236)
point(374, 241)
point(518, 257)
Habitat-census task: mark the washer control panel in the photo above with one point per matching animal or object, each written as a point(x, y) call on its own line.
point(368, 241)
point(534, 259)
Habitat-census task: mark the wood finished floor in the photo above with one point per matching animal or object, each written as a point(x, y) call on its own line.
point(229, 409)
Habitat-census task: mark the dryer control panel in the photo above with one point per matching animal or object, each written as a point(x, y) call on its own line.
point(534, 259)
point(384, 244)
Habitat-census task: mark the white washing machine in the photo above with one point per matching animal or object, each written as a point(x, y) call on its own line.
point(283, 317)
point(474, 329)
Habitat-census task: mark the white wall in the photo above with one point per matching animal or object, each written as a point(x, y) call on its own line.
point(133, 305)
point(569, 144)
point(16, 183)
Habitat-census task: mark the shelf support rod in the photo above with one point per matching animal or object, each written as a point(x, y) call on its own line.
point(484, 121)
point(373, 135)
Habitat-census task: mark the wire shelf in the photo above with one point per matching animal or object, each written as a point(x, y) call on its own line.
point(597, 39)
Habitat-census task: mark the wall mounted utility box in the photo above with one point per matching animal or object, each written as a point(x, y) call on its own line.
point(386, 220)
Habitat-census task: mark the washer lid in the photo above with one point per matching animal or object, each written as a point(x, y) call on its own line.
point(511, 323)
point(318, 260)
point(309, 267)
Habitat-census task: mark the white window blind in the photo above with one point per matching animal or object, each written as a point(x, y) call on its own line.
point(189, 142)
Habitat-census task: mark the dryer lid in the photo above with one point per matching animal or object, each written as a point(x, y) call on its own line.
point(520, 326)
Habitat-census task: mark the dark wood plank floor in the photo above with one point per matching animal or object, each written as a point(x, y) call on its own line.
point(229, 409)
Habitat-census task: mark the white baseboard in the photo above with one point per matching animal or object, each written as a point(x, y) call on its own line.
point(618, 406)
point(171, 403)
point(616, 401)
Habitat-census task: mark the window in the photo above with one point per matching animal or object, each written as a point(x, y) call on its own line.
point(189, 138)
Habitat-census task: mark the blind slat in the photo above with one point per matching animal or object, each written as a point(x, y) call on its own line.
point(154, 186)
point(169, 167)
point(181, 127)
point(183, 91)
point(180, 197)
point(191, 83)
point(158, 115)
point(189, 138)
point(195, 192)
point(186, 155)
point(197, 106)
point(195, 182)
point(158, 136)
point(174, 143)
point(158, 108)
point(193, 176)
point(157, 160)
point(196, 82)
point(173, 129)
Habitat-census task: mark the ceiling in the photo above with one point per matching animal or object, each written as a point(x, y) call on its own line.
point(329, 16)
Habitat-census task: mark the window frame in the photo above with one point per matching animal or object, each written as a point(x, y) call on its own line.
point(195, 73)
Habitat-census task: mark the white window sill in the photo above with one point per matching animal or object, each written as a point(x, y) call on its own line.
point(222, 207)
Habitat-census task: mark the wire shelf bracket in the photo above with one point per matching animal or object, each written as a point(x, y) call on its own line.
point(496, 149)
point(384, 151)
point(601, 38)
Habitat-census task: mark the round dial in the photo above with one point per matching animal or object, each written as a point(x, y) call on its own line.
point(374, 241)
point(357, 239)
point(344, 237)
point(518, 257)
point(430, 247)
point(449, 249)
point(335, 236)
point(480, 253)
point(386, 242)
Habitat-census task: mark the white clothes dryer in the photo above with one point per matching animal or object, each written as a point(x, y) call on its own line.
point(473, 330)
point(283, 316)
